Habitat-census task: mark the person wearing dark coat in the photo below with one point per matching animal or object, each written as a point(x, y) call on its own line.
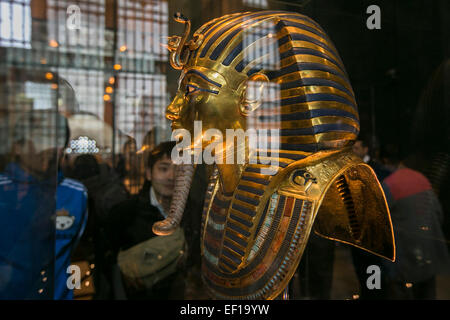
point(130, 222)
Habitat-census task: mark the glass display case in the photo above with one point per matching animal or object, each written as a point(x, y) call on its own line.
point(343, 197)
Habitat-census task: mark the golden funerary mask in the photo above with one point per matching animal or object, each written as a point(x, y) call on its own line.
point(278, 74)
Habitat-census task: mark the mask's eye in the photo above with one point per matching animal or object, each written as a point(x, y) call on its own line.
point(191, 89)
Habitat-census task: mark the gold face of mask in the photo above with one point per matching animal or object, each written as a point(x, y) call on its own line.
point(256, 224)
point(205, 95)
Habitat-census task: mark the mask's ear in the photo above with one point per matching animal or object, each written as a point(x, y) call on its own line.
point(253, 93)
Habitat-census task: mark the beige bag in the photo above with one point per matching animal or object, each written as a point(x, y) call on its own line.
point(153, 260)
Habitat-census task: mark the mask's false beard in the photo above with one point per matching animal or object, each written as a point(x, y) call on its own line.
point(183, 180)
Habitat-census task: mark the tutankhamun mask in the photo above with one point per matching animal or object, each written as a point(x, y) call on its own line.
point(274, 72)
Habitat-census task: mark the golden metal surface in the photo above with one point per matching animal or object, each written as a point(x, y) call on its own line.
point(256, 224)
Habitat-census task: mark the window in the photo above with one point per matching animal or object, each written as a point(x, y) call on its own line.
point(15, 24)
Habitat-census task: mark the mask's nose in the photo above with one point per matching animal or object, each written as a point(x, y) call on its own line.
point(174, 109)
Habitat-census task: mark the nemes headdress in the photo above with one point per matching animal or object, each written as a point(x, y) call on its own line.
point(253, 238)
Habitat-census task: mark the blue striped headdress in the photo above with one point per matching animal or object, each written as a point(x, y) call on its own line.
point(316, 109)
point(254, 232)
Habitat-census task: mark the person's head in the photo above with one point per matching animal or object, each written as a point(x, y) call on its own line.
point(390, 156)
point(161, 170)
point(85, 166)
point(361, 147)
point(39, 138)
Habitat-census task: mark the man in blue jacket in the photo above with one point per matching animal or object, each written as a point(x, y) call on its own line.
point(42, 213)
